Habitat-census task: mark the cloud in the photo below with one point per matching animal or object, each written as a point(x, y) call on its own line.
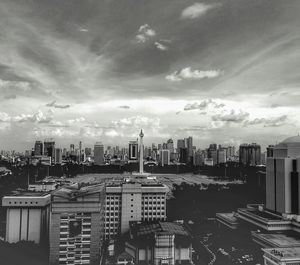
point(124, 107)
point(145, 32)
point(196, 10)
point(268, 122)
point(188, 73)
point(4, 117)
point(12, 96)
point(203, 105)
point(83, 29)
point(38, 117)
point(232, 116)
point(57, 106)
point(160, 46)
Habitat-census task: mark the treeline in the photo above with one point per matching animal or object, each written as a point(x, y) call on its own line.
point(199, 202)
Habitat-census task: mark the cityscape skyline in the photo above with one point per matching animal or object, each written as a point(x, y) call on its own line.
point(65, 74)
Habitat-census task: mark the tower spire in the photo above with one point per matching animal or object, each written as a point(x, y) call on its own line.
point(141, 153)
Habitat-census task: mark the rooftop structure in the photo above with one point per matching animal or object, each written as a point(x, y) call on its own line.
point(159, 243)
point(282, 256)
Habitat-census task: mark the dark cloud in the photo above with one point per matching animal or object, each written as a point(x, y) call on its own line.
point(57, 106)
point(268, 122)
point(203, 105)
point(10, 96)
point(124, 107)
point(232, 116)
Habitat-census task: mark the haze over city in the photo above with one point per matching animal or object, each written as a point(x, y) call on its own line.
point(220, 71)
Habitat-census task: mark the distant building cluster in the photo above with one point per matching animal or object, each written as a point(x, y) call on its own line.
point(184, 152)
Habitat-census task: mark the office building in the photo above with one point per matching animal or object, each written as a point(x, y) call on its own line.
point(136, 200)
point(76, 230)
point(164, 157)
point(282, 177)
point(189, 146)
point(221, 156)
point(270, 151)
point(72, 149)
point(159, 243)
point(183, 155)
point(98, 154)
point(250, 154)
point(38, 148)
point(133, 151)
point(58, 156)
point(27, 217)
point(49, 148)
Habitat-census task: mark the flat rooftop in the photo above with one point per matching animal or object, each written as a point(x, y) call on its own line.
point(145, 229)
point(292, 253)
point(263, 214)
point(28, 194)
point(230, 217)
point(282, 239)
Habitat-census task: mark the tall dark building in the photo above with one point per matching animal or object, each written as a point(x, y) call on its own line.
point(183, 155)
point(38, 148)
point(133, 150)
point(250, 154)
point(270, 151)
point(49, 148)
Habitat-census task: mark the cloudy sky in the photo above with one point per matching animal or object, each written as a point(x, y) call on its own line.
point(224, 71)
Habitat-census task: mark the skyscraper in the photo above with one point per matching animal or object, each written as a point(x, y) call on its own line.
point(58, 156)
point(49, 148)
point(164, 156)
point(282, 177)
point(38, 148)
point(133, 151)
point(98, 154)
point(250, 154)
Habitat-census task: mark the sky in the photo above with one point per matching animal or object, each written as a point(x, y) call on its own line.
point(222, 71)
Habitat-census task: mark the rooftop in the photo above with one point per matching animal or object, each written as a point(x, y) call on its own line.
point(292, 253)
point(144, 229)
point(28, 194)
point(286, 239)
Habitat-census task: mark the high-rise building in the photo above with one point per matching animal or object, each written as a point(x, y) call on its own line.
point(133, 201)
point(27, 216)
point(183, 155)
point(270, 150)
point(72, 149)
point(170, 145)
point(180, 144)
point(189, 146)
point(98, 154)
point(164, 157)
point(250, 154)
point(38, 148)
point(76, 230)
point(49, 148)
point(282, 177)
point(88, 151)
point(222, 156)
point(58, 156)
point(133, 151)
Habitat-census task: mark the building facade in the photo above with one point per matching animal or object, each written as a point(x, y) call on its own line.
point(76, 229)
point(98, 154)
point(133, 201)
point(27, 217)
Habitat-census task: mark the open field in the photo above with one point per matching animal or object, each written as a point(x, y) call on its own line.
point(167, 179)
